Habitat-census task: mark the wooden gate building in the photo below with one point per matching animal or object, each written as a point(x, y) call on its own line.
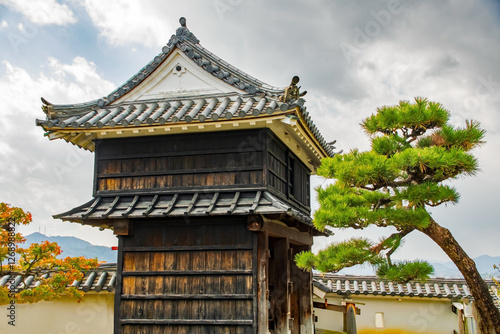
point(202, 171)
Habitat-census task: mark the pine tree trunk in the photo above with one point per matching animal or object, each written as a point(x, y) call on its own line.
point(488, 316)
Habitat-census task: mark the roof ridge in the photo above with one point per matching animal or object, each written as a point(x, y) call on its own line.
point(185, 41)
point(267, 87)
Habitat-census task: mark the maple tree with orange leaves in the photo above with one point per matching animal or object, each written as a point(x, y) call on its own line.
point(40, 260)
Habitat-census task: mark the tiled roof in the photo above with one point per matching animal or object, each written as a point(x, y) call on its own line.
point(347, 285)
point(256, 100)
point(197, 108)
point(101, 279)
point(179, 205)
point(371, 285)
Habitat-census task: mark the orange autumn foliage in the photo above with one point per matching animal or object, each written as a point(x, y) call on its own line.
point(37, 260)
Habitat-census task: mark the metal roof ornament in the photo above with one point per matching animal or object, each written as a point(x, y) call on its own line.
point(292, 92)
point(182, 33)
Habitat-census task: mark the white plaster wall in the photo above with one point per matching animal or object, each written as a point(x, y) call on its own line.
point(62, 316)
point(329, 319)
point(406, 315)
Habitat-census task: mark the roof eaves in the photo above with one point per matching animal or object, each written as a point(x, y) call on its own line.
point(160, 205)
point(314, 131)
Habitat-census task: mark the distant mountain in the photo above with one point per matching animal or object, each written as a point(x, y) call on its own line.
point(74, 247)
point(484, 264)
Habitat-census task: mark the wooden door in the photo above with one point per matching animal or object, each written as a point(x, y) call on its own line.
point(187, 277)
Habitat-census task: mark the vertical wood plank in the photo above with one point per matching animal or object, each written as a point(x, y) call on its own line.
point(305, 296)
point(295, 307)
point(262, 283)
point(279, 296)
point(118, 291)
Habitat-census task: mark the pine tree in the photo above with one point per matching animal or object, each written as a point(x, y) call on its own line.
point(414, 150)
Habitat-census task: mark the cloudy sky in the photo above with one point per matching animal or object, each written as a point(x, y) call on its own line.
point(351, 56)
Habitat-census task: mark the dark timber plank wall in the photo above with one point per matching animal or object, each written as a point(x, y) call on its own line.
point(250, 159)
point(287, 177)
point(188, 276)
point(180, 162)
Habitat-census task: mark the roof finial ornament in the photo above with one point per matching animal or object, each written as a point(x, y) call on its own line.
point(292, 92)
point(48, 108)
point(182, 33)
point(182, 21)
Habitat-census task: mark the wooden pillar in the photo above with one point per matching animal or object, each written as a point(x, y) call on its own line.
point(280, 301)
point(262, 282)
point(461, 325)
point(302, 284)
point(295, 307)
point(118, 291)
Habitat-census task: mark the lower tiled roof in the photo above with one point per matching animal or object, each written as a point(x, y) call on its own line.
point(346, 285)
point(101, 279)
point(179, 205)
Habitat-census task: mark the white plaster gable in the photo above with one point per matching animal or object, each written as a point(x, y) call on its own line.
point(178, 76)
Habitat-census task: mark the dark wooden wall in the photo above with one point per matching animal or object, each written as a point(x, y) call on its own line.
point(210, 275)
point(287, 176)
point(178, 162)
point(188, 276)
point(248, 159)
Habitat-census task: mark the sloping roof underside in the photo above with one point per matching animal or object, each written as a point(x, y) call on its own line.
point(196, 204)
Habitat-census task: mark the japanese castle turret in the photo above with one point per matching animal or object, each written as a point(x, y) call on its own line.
point(202, 172)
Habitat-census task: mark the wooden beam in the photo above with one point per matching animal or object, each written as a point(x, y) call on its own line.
point(122, 227)
point(336, 308)
point(276, 229)
point(318, 292)
point(188, 248)
point(188, 272)
point(185, 322)
point(188, 296)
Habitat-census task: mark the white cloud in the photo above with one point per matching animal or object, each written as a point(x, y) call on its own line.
point(45, 177)
point(4, 24)
point(43, 12)
point(129, 21)
point(76, 82)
